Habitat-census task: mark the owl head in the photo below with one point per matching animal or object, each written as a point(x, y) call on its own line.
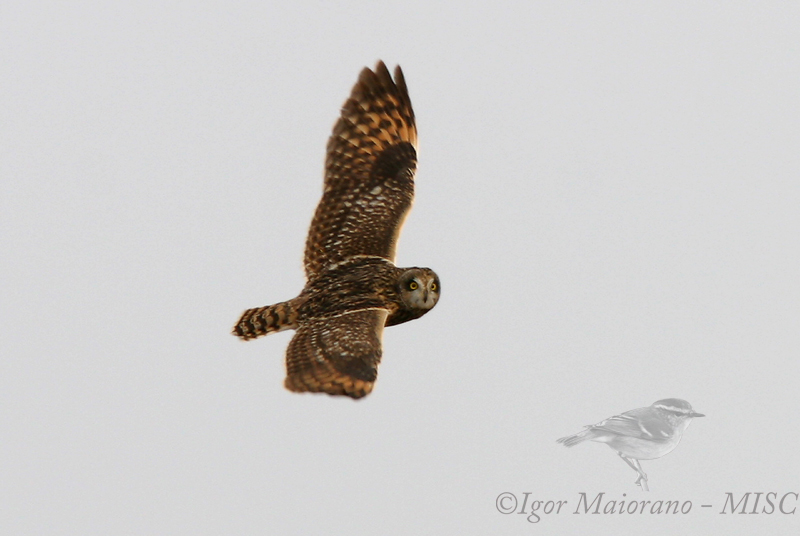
point(419, 291)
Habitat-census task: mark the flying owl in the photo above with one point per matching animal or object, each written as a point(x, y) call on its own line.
point(353, 289)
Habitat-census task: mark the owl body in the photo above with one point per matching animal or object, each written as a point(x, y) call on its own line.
point(358, 283)
point(368, 283)
point(353, 289)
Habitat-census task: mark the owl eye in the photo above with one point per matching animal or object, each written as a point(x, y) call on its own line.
point(434, 286)
point(413, 285)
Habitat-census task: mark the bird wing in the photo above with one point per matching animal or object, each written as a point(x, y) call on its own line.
point(337, 355)
point(638, 423)
point(369, 173)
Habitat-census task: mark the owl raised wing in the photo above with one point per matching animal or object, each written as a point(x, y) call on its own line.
point(369, 173)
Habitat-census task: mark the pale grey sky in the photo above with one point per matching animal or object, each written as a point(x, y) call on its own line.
point(609, 193)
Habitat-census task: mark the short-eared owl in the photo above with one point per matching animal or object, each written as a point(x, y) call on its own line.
point(353, 288)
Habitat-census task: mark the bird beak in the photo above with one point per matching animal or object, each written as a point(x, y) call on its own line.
point(693, 414)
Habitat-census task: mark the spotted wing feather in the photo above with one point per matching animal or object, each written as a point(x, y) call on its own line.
point(338, 356)
point(369, 173)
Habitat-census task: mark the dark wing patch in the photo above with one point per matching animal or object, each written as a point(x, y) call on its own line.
point(338, 356)
point(369, 173)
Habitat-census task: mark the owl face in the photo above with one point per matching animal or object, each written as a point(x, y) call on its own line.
point(419, 288)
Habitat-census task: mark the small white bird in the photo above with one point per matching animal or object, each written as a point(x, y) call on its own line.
point(641, 434)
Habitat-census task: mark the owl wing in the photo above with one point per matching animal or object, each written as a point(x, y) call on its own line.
point(635, 423)
point(338, 355)
point(369, 173)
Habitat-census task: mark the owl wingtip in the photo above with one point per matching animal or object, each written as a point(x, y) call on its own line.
point(331, 386)
point(380, 68)
point(380, 76)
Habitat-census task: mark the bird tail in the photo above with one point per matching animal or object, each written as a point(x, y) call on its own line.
point(580, 437)
point(265, 320)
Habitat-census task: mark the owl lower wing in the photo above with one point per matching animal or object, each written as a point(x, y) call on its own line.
point(369, 173)
point(338, 355)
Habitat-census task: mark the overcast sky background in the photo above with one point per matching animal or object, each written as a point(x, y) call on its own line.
point(609, 193)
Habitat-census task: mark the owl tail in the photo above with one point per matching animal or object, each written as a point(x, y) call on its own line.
point(580, 437)
point(265, 320)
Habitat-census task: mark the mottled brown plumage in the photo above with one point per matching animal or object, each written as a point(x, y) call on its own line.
point(353, 288)
point(369, 173)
